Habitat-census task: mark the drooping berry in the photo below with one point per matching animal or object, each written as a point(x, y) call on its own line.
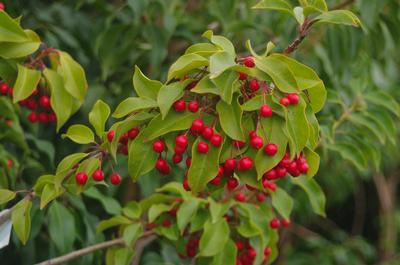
point(275, 223)
point(245, 163)
point(220, 171)
point(33, 117)
point(181, 140)
point(177, 158)
point(257, 142)
point(238, 143)
point(98, 175)
point(284, 101)
point(188, 161)
point(240, 197)
point(207, 133)
point(216, 140)
point(252, 253)
point(303, 168)
point(254, 85)
point(133, 133)
point(124, 138)
point(249, 62)
point(239, 245)
point(270, 175)
point(2, 6)
point(180, 105)
point(202, 148)
point(216, 181)
point(161, 164)
point(232, 183)
point(52, 117)
point(115, 179)
point(265, 111)
point(293, 98)
point(44, 101)
point(270, 149)
point(242, 76)
point(158, 146)
point(267, 251)
point(193, 106)
point(280, 171)
point(260, 197)
point(230, 164)
point(285, 222)
point(166, 223)
point(179, 149)
point(186, 185)
point(252, 134)
point(110, 135)
point(81, 178)
point(42, 117)
point(4, 88)
point(197, 126)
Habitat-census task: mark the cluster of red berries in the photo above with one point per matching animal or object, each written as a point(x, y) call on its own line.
point(98, 175)
point(124, 139)
point(246, 254)
point(191, 247)
point(290, 99)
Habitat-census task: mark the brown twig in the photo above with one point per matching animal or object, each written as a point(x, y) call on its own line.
point(139, 247)
point(303, 30)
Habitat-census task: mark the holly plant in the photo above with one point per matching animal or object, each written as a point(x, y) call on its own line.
point(229, 136)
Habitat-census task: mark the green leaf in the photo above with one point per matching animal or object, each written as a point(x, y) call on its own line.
point(61, 227)
point(278, 5)
point(186, 211)
point(230, 117)
point(314, 193)
point(204, 167)
point(214, 238)
point(317, 96)
point(174, 187)
point(98, 116)
point(205, 86)
point(312, 161)
point(80, 134)
point(350, 153)
point(371, 125)
point(73, 75)
point(186, 63)
point(168, 95)
point(110, 204)
point(203, 49)
point(273, 129)
point(113, 221)
point(48, 194)
point(282, 202)
point(299, 14)
point(10, 30)
point(221, 61)
point(132, 233)
point(217, 210)
point(6, 195)
point(344, 17)
point(138, 149)
point(21, 215)
point(69, 162)
point(132, 210)
point(11, 50)
point(157, 209)
point(279, 72)
point(145, 87)
point(297, 126)
point(132, 104)
point(384, 100)
point(61, 100)
point(27, 81)
point(174, 121)
point(311, 6)
point(227, 84)
point(221, 42)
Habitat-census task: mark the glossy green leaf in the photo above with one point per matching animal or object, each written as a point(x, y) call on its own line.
point(297, 126)
point(282, 202)
point(205, 86)
point(98, 116)
point(350, 153)
point(145, 87)
point(132, 104)
point(110, 204)
point(168, 95)
point(48, 194)
point(113, 221)
point(203, 49)
point(366, 122)
point(61, 223)
point(314, 193)
point(278, 5)
point(10, 50)
point(312, 161)
point(384, 100)
point(221, 61)
point(299, 14)
point(186, 211)
point(10, 30)
point(80, 134)
point(227, 84)
point(69, 162)
point(185, 64)
point(344, 17)
point(132, 210)
point(21, 218)
point(157, 209)
point(138, 149)
point(132, 233)
point(313, 6)
point(221, 42)
point(214, 238)
point(230, 117)
point(6, 195)
point(27, 81)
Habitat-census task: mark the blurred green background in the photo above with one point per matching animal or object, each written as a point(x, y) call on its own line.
point(359, 173)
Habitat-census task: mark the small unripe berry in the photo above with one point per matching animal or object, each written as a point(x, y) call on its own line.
point(193, 106)
point(240, 197)
point(110, 135)
point(293, 98)
point(265, 111)
point(232, 183)
point(275, 223)
point(115, 179)
point(180, 105)
point(230, 164)
point(257, 142)
point(207, 133)
point(81, 178)
point(242, 76)
point(270, 149)
point(249, 62)
point(202, 148)
point(284, 101)
point(177, 158)
point(98, 175)
point(181, 140)
point(216, 140)
point(10, 163)
point(133, 133)
point(254, 85)
point(158, 146)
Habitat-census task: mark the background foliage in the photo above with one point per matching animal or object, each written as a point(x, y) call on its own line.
point(359, 170)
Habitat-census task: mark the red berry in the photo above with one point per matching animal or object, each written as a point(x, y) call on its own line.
point(239, 245)
point(270, 175)
point(124, 149)
point(249, 62)
point(52, 117)
point(115, 179)
point(4, 88)
point(280, 171)
point(35, 92)
point(2, 6)
point(216, 181)
point(81, 178)
point(124, 138)
point(197, 126)
point(285, 222)
point(179, 149)
point(133, 133)
point(161, 164)
point(284, 101)
point(193, 106)
point(260, 197)
point(285, 162)
point(238, 143)
point(242, 76)
point(240, 197)
point(186, 185)
point(275, 223)
point(182, 141)
point(44, 101)
point(293, 98)
point(254, 85)
point(245, 163)
point(110, 135)
point(32, 117)
point(172, 212)
point(220, 171)
point(42, 117)
point(269, 185)
point(207, 133)
point(265, 111)
point(166, 223)
point(232, 183)
point(257, 142)
point(267, 251)
point(31, 104)
point(158, 146)
point(202, 148)
point(252, 253)
point(252, 134)
point(188, 161)
point(303, 168)
point(270, 149)
point(216, 140)
point(180, 105)
point(177, 158)
point(230, 164)
point(98, 175)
